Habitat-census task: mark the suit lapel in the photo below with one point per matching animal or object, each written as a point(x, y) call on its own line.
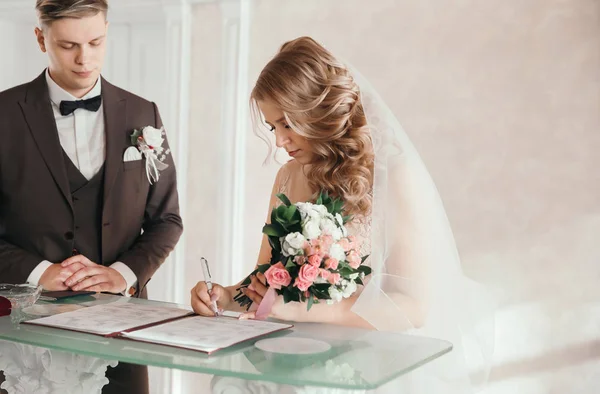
point(37, 109)
point(115, 108)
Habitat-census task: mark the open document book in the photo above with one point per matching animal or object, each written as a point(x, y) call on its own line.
point(161, 325)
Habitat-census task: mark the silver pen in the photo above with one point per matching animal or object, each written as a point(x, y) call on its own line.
point(208, 280)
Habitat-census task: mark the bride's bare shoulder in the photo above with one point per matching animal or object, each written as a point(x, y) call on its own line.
point(289, 169)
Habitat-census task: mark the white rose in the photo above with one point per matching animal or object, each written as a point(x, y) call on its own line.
point(329, 227)
point(314, 214)
point(321, 210)
point(349, 289)
point(335, 294)
point(292, 244)
point(153, 137)
point(311, 229)
point(354, 275)
point(304, 208)
point(340, 220)
point(337, 252)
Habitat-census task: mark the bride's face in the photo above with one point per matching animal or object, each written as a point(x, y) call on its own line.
point(295, 145)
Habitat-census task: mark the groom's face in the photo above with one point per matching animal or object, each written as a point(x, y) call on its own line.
point(76, 48)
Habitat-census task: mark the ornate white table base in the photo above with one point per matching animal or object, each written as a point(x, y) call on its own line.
point(228, 385)
point(36, 370)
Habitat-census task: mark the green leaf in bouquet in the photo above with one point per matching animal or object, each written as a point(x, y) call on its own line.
point(321, 287)
point(365, 269)
point(346, 272)
point(302, 297)
point(278, 221)
point(290, 212)
point(280, 212)
point(247, 281)
point(273, 229)
point(293, 271)
point(329, 207)
point(274, 243)
point(290, 263)
point(284, 199)
point(346, 218)
point(287, 295)
point(338, 206)
point(310, 302)
point(320, 199)
point(321, 290)
point(362, 259)
point(359, 281)
point(262, 268)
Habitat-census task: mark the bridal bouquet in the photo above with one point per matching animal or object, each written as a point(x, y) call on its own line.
point(312, 257)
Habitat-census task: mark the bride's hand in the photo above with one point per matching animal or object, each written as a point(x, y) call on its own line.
point(202, 301)
point(257, 288)
point(256, 291)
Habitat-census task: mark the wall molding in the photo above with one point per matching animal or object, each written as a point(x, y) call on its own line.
point(234, 117)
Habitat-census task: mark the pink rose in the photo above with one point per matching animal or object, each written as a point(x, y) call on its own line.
point(326, 241)
point(334, 278)
point(278, 276)
point(331, 263)
point(310, 249)
point(353, 259)
point(345, 244)
point(324, 273)
point(306, 276)
point(315, 260)
point(300, 260)
point(301, 284)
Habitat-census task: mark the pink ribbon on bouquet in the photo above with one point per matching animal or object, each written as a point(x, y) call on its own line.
point(265, 306)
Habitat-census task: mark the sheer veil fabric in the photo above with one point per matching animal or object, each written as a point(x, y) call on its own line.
point(417, 285)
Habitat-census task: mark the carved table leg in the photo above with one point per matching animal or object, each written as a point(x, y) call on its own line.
point(36, 370)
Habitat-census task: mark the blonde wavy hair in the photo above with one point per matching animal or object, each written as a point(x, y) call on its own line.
point(321, 102)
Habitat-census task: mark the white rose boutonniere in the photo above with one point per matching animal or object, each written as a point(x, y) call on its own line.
point(148, 140)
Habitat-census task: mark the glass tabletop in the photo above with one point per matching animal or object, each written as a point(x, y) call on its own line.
point(349, 358)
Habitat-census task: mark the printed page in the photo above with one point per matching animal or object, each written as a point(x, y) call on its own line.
point(110, 318)
point(206, 334)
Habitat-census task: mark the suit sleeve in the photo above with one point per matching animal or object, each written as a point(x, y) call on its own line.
point(162, 225)
point(16, 264)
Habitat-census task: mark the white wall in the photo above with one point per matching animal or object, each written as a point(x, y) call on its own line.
point(502, 99)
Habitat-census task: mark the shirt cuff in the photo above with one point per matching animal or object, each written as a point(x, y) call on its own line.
point(129, 277)
point(35, 275)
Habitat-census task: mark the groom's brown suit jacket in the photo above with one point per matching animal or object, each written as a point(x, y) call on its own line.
point(139, 224)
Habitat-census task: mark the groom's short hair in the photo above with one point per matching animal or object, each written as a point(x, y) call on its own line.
point(52, 10)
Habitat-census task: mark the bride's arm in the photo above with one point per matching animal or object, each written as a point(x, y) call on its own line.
point(264, 254)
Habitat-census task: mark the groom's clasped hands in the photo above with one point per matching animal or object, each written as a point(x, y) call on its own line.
point(78, 273)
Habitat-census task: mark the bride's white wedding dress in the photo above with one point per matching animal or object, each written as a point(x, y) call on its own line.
point(415, 263)
point(292, 182)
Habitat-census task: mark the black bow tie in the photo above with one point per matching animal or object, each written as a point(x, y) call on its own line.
point(68, 107)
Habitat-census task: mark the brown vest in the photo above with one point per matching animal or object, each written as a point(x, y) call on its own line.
point(86, 235)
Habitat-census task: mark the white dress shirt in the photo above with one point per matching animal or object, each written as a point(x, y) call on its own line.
point(82, 137)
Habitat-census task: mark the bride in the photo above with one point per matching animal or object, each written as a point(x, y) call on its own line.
point(344, 140)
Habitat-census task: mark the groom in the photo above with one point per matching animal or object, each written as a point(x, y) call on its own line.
point(66, 194)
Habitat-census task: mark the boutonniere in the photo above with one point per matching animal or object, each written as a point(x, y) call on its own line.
point(148, 141)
